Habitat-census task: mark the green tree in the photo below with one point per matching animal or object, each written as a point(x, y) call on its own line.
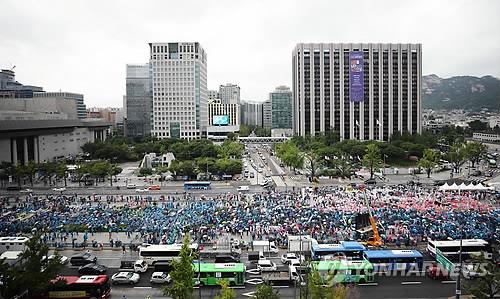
point(82, 170)
point(478, 126)
point(145, 171)
point(265, 291)
point(32, 273)
point(371, 159)
point(114, 170)
point(312, 160)
point(100, 170)
point(289, 154)
point(456, 155)
point(182, 274)
point(225, 292)
point(486, 286)
point(475, 151)
point(429, 161)
point(61, 171)
point(49, 170)
point(6, 170)
point(231, 149)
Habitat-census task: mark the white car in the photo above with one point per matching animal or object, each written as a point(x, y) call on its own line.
point(26, 191)
point(64, 259)
point(125, 278)
point(140, 266)
point(141, 190)
point(160, 277)
point(286, 258)
point(266, 265)
point(131, 186)
point(59, 189)
point(294, 263)
point(243, 188)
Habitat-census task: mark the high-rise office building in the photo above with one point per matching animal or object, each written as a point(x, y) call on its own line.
point(213, 94)
point(251, 113)
point(222, 119)
point(229, 94)
point(363, 91)
point(281, 108)
point(179, 74)
point(267, 114)
point(139, 100)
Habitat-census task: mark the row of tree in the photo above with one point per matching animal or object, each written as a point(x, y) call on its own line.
point(326, 155)
point(49, 171)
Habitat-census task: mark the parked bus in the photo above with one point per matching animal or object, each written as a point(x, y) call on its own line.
point(210, 273)
point(164, 253)
point(395, 260)
point(12, 243)
point(451, 249)
point(197, 185)
point(344, 271)
point(350, 250)
point(84, 287)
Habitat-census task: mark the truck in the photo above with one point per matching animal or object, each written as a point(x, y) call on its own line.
point(299, 243)
point(10, 257)
point(285, 275)
point(265, 246)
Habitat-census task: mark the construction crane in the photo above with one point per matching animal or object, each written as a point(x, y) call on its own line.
point(375, 240)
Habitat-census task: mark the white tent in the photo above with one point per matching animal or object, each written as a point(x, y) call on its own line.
point(464, 187)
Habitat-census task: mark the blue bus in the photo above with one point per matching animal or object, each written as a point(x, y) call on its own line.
point(395, 260)
point(197, 185)
point(350, 250)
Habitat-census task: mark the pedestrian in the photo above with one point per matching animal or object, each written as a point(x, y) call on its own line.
point(123, 248)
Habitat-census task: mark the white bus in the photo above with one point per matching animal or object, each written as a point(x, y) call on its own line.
point(451, 249)
point(162, 253)
point(12, 244)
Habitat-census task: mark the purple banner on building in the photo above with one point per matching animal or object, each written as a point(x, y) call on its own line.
point(356, 83)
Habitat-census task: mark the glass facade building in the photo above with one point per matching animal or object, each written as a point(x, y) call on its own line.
point(281, 108)
point(139, 100)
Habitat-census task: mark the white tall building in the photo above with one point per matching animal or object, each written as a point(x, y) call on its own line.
point(229, 94)
point(362, 91)
point(179, 78)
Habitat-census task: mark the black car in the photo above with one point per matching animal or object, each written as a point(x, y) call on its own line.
point(81, 259)
point(92, 269)
point(370, 182)
point(226, 259)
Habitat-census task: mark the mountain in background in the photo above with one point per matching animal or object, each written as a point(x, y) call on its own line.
point(461, 92)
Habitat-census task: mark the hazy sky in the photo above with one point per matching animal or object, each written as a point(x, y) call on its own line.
point(83, 46)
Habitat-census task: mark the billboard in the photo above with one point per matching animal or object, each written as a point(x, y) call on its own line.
point(356, 84)
point(220, 120)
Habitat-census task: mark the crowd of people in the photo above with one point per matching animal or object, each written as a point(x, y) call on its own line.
point(405, 215)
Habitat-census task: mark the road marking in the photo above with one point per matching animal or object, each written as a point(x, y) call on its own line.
point(368, 284)
point(249, 294)
point(280, 287)
point(255, 281)
point(448, 281)
point(411, 282)
point(142, 287)
point(236, 287)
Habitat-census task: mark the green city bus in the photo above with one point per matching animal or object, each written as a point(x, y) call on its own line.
point(210, 273)
point(344, 271)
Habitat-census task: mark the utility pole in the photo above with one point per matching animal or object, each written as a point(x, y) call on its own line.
point(458, 289)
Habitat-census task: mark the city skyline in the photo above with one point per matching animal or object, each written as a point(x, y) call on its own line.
point(82, 55)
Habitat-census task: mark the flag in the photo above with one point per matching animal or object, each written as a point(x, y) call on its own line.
point(378, 123)
point(357, 123)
